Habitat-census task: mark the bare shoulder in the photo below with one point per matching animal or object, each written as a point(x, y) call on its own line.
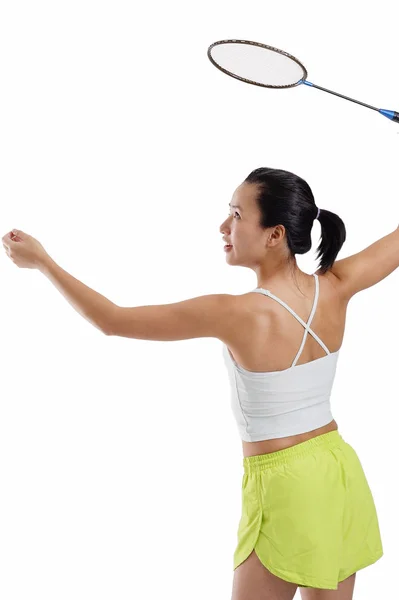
point(331, 281)
point(332, 290)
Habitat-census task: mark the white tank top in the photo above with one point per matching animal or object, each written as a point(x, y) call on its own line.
point(275, 404)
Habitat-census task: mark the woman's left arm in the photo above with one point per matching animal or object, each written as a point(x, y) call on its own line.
point(213, 315)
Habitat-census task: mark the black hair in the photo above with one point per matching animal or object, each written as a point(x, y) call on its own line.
point(286, 199)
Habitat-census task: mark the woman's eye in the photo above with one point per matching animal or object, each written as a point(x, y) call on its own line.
point(236, 213)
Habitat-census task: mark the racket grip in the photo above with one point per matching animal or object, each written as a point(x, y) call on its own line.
point(396, 117)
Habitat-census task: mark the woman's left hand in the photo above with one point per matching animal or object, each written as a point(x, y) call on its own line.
point(24, 250)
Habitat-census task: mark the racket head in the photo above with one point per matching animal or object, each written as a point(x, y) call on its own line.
point(297, 69)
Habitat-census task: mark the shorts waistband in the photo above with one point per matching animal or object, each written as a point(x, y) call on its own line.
point(262, 462)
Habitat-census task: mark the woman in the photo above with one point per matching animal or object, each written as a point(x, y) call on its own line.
point(308, 515)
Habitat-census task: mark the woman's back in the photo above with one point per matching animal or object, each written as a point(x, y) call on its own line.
point(267, 337)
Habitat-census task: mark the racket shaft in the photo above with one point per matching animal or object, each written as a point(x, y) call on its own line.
point(340, 95)
point(390, 114)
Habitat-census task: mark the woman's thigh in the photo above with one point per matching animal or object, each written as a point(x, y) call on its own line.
point(252, 581)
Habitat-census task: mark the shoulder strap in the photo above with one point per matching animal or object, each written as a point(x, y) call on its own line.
point(305, 325)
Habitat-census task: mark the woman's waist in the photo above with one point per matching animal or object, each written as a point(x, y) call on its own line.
point(273, 445)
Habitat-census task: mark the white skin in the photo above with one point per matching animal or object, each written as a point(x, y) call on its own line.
point(265, 251)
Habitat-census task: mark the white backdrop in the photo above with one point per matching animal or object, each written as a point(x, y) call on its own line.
point(120, 148)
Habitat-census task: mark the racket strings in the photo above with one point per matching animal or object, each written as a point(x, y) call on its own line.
point(257, 64)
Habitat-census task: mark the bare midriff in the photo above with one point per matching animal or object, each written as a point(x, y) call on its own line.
point(267, 446)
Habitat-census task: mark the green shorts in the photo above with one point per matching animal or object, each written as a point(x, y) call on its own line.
point(309, 513)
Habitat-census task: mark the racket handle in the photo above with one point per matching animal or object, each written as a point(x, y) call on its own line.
point(390, 114)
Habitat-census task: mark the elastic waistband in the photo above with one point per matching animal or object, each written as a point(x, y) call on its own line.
point(262, 462)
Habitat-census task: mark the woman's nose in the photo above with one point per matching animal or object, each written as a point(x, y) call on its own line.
point(223, 225)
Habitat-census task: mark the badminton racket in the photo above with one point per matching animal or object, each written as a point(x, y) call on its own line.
point(266, 66)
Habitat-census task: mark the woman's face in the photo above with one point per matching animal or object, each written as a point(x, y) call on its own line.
point(242, 230)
